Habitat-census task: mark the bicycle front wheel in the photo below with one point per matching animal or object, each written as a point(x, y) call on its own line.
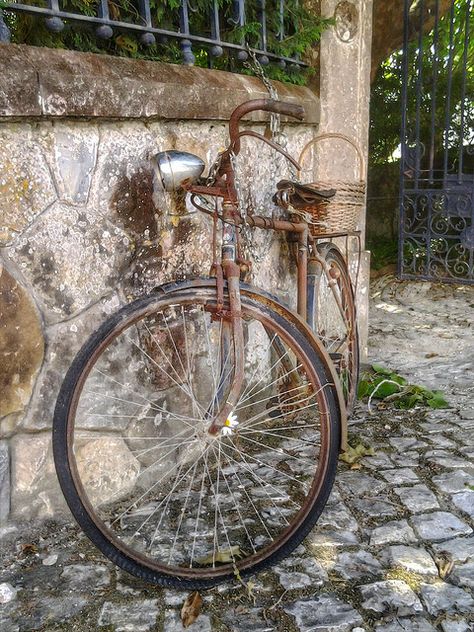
point(332, 316)
point(148, 484)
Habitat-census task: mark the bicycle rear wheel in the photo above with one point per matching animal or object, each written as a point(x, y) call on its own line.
point(147, 483)
point(332, 316)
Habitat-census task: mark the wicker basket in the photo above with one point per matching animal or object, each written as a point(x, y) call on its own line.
point(341, 214)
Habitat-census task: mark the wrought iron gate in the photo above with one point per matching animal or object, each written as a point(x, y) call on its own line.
point(437, 144)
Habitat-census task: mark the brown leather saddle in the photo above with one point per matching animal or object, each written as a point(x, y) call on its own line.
point(301, 195)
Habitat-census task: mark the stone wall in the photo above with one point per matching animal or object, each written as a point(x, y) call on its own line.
point(84, 226)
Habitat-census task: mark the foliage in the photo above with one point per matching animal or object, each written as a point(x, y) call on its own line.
point(302, 30)
point(455, 74)
point(384, 384)
point(383, 252)
point(387, 87)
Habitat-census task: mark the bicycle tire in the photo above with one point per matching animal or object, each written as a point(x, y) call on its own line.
point(338, 334)
point(79, 491)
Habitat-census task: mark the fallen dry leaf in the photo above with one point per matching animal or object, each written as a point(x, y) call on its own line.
point(224, 556)
point(191, 609)
point(354, 455)
point(445, 563)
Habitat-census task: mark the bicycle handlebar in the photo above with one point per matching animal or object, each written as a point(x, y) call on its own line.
point(266, 105)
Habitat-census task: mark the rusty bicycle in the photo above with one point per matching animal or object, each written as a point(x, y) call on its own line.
point(196, 433)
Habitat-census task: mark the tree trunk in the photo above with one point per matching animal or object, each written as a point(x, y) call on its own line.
point(387, 28)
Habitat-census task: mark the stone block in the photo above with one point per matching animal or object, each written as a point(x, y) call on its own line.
point(442, 597)
point(294, 580)
point(394, 531)
point(391, 595)
point(413, 559)
point(7, 593)
point(337, 517)
point(463, 575)
point(21, 345)
point(107, 469)
point(417, 498)
point(63, 341)
point(323, 538)
point(453, 482)
point(84, 577)
point(402, 444)
point(465, 502)
point(412, 624)
point(354, 565)
point(4, 481)
point(248, 620)
point(375, 508)
point(59, 83)
point(26, 186)
point(460, 549)
point(449, 625)
point(324, 613)
point(49, 610)
point(400, 476)
point(73, 258)
point(451, 462)
point(75, 155)
point(19, 91)
point(137, 615)
point(35, 488)
point(122, 187)
point(439, 525)
point(359, 484)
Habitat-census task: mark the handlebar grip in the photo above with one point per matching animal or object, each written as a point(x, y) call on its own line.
point(288, 109)
point(267, 105)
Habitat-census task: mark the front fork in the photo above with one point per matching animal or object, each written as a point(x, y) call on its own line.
point(231, 272)
point(232, 332)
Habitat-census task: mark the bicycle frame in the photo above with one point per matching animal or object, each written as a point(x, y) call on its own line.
point(232, 267)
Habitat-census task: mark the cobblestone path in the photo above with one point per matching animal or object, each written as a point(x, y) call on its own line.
point(393, 551)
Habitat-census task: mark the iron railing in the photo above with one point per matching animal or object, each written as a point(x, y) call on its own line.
point(143, 24)
point(437, 147)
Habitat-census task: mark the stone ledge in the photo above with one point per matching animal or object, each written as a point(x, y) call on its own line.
point(50, 84)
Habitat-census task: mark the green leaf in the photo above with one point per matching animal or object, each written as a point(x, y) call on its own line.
point(437, 401)
point(378, 368)
point(363, 389)
point(384, 390)
point(398, 378)
point(409, 401)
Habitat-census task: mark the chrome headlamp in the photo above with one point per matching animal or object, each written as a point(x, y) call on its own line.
point(176, 168)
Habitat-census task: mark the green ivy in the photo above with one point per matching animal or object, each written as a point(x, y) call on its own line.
point(383, 384)
point(302, 30)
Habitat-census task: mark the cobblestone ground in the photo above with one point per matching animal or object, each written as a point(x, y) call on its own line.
point(393, 551)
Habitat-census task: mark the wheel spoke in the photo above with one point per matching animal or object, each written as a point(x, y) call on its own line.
point(170, 499)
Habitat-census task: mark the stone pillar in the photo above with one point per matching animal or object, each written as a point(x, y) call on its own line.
point(344, 97)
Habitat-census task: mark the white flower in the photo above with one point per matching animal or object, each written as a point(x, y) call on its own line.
point(230, 422)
